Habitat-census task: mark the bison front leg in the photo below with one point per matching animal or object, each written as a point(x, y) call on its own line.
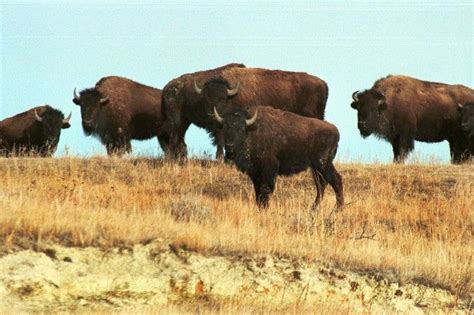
point(459, 150)
point(219, 140)
point(119, 148)
point(402, 146)
point(264, 185)
point(177, 146)
point(164, 142)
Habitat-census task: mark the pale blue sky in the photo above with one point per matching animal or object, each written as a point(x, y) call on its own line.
point(50, 47)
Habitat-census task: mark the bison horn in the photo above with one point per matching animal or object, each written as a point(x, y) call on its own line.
point(38, 117)
point(196, 88)
point(235, 90)
point(67, 119)
point(460, 106)
point(354, 96)
point(76, 97)
point(218, 117)
point(103, 100)
point(251, 121)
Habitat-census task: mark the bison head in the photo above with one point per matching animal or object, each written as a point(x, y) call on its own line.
point(51, 122)
point(91, 102)
point(467, 119)
point(235, 126)
point(216, 92)
point(370, 105)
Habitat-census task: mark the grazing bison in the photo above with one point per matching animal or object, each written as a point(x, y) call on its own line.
point(401, 110)
point(117, 110)
point(275, 142)
point(467, 123)
point(185, 102)
point(34, 132)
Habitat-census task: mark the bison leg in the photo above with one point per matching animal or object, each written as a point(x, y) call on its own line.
point(177, 146)
point(264, 186)
point(219, 140)
point(119, 148)
point(401, 147)
point(321, 184)
point(335, 180)
point(164, 142)
point(460, 152)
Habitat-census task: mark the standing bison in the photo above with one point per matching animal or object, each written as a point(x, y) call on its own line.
point(190, 98)
point(401, 110)
point(467, 123)
point(34, 132)
point(274, 142)
point(117, 110)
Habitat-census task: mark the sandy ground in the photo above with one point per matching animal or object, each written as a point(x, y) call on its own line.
point(58, 278)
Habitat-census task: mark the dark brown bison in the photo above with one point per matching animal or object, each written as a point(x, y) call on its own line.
point(190, 98)
point(467, 123)
point(117, 110)
point(34, 132)
point(274, 142)
point(401, 110)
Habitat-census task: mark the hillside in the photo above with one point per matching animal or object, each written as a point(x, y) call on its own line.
point(408, 228)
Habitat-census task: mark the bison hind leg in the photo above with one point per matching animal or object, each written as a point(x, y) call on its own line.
point(320, 183)
point(329, 174)
point(335, 180)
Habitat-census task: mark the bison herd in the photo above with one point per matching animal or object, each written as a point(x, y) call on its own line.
point(268, 122)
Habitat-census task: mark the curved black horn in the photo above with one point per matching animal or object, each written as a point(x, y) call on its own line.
point(354, 96)
point(460, 106)
point(235, 90)
point(38, 117)
point(251, 121)
point(218, 117)
point(196, 88)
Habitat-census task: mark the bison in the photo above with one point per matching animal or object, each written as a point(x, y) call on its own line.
point(467, 123)
point(274, 142)
point(190, 98)
point(34, 132)
point(402, 109)
point(117, 110)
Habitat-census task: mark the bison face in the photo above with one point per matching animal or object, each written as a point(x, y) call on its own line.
point(467, 119)
point(91, 102)
point(235, 127)
point(216, 93)
point(370, 105)
point(51, 122)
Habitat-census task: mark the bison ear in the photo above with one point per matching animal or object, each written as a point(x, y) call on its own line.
point(65, 125)
point(76, 101)
point(354, 105)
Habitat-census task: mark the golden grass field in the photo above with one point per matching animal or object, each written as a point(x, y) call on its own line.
point(411, 223)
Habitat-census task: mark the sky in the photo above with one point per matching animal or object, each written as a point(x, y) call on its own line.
point(48, 48)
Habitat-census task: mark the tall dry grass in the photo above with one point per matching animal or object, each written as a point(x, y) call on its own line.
point(410, 223)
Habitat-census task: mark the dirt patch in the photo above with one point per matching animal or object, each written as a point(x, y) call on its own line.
point(63, 278)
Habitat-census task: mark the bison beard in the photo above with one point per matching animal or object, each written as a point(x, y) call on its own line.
point(274, 142)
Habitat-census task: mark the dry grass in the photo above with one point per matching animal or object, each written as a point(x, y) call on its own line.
point(412, 223)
